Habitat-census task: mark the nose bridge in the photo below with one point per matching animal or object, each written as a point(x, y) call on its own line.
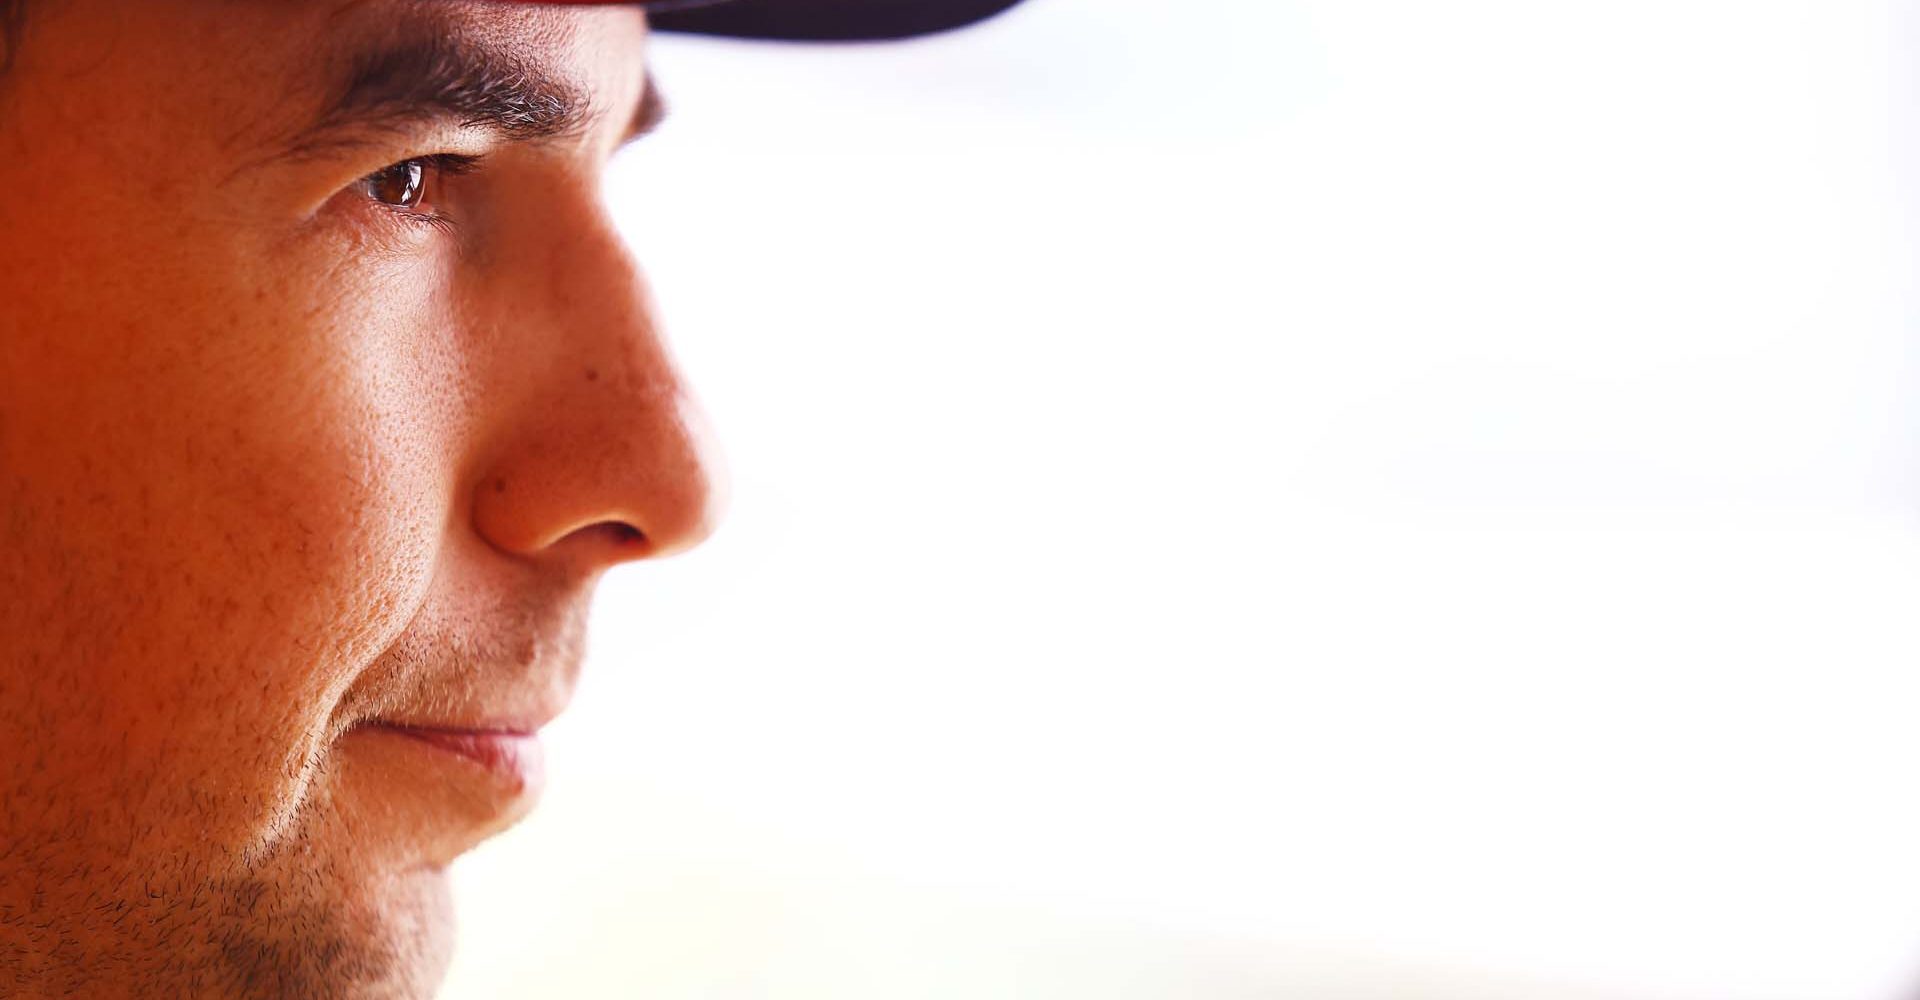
point(607, 456)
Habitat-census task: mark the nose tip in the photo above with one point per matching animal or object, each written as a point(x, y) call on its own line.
point(681, 487)
point(609, 479)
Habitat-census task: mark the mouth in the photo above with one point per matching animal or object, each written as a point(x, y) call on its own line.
point(513, 756)
point(433, 747)
point(465, 783)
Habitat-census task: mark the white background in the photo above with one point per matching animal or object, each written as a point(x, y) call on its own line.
point(1311, 498)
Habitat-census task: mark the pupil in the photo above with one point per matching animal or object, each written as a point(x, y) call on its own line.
point(399, 185)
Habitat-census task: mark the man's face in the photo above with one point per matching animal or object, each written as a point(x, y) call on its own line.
point(327, 390)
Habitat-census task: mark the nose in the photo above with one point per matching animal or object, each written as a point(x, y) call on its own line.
point(596, 452)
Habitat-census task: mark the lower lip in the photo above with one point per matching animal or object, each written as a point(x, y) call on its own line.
point(515, 757)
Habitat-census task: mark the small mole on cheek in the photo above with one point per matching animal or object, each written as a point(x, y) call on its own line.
point(500, 485)
point(593, 374)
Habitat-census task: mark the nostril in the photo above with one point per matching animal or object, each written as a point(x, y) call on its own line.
point(606, 543)
point(622, 534)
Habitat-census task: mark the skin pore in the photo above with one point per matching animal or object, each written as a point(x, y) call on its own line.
point(325, 398)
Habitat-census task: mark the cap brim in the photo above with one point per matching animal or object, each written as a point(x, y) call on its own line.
point(819, 20)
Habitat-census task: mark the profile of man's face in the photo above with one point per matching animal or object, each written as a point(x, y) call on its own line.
point(327, 391)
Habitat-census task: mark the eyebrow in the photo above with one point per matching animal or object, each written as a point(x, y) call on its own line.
point(440, 79)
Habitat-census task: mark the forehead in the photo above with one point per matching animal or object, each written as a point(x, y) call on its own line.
point(526, 30)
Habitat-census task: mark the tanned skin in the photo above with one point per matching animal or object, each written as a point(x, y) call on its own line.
point(322, 409)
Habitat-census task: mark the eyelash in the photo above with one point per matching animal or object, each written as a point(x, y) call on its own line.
point(433, 166)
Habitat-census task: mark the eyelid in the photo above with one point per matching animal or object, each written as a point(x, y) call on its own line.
point(451, 164)
point(437, 166)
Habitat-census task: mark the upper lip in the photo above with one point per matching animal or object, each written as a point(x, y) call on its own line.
point(522, 728)
point(505, 667)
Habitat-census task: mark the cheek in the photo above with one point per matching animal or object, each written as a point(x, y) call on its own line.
point(326, 456)
point(246, 482)
point(328, 487)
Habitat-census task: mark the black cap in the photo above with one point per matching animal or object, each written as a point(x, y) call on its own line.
point(819, 20)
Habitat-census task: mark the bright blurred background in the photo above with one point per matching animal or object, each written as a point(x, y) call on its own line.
point(1288, 499)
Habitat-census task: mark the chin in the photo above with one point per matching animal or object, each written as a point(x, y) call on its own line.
point(351, 898)
point(410, 929)
point(391, 943)
point(347, 903)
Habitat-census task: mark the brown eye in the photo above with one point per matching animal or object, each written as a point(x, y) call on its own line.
point(400, 185)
